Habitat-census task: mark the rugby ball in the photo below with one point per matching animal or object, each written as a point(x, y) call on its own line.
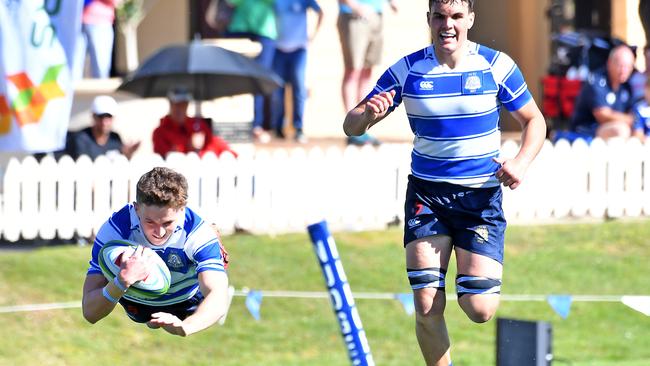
point(154, 285)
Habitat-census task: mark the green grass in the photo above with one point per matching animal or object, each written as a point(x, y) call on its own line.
point(600, 259)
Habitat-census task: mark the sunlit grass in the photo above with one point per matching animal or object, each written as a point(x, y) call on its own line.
point(600, 259)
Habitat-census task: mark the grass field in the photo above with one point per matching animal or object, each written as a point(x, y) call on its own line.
point(600, 259)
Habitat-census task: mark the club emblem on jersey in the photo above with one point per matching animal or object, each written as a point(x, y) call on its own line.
point(472, 82)
point(413, 222)
point(482, 234)
point(426, 85)
point(174, 261)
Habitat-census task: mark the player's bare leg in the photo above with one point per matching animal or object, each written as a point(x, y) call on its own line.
point(430, 327)
point(479, 307)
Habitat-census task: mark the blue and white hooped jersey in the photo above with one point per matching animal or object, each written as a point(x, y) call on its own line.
point(454, 114)
point(192, 248)
point(641, 112)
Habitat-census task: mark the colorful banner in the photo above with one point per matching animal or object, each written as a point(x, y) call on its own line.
point(37, 42)
point(341, 295)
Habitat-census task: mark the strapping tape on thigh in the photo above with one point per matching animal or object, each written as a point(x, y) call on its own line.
point(477, 285)
point(426, 278)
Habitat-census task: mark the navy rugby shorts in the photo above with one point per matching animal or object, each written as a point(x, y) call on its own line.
point(472, 217)
point(141, 313)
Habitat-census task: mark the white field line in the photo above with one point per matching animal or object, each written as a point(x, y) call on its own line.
point(39, 307)
point(324, 295)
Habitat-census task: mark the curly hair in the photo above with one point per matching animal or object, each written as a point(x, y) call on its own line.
point(470, 3)
point(162, 187)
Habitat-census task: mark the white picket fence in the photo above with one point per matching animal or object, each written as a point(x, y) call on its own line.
point(280, 191)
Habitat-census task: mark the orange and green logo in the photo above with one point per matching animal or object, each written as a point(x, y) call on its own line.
point(30, 103)
point(5, 116)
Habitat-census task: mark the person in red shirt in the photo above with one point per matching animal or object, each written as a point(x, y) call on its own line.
point(181, 133)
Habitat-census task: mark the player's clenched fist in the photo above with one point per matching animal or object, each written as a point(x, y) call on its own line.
point(378, 105)
point(135, 267)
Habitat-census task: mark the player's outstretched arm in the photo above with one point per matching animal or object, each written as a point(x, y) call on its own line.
point(533, 134)
point(214, 287)
point(367, 113)
point(94, 304)
point(100, 296)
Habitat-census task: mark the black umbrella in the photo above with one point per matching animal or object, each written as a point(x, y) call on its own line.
point(207, 71)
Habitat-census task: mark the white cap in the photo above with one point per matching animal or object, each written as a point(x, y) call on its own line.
point(179, 94)
point(104, 104)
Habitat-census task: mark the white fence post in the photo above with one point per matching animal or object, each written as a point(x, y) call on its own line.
point(328, 186)
point(542, 191)
point(598, 178)
point(12, 212)
point(632, 191)
point(561, 179)
point(279, 178)
point(120, 181)
point(352, 188)
point(139, 165)
point(318, 187)
point(262, 186)
point(101, 191)
point(646, 178)
point(46, 217)
point(29, 198)
point(242, 211)
point(512, 199)
point(84, 196)
point(578, 181)
point(65, 217)
point(226, 209)
point(297, 189)
point(616, 164)
point(210, 168)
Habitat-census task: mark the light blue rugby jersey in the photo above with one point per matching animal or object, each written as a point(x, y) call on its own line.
point(454, 114)
point(192, 248)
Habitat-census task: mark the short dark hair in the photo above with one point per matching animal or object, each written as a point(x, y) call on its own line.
point(162, 187)
point(470, 3)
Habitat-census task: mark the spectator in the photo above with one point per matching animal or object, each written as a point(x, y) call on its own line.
point(641, 111)
point(218, 15)
point(181, 133)
point(99, 139)
point(644, 15)
point(96, 38)
point(603, 107)
point(290, 60)
point(360, 26)
point(255, 20)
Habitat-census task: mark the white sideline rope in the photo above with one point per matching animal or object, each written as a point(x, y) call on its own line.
point(39, 307)
point(324, 295)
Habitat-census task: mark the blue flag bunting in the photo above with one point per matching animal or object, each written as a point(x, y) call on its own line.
point(254, 303)
point(407, 302)
point(561, 304)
